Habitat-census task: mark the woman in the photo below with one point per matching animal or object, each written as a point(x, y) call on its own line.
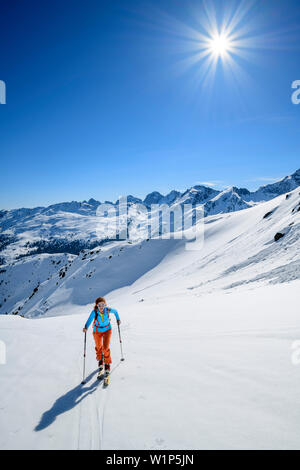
point(102, 331)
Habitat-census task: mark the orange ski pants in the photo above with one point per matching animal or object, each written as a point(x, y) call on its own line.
point(102, 341)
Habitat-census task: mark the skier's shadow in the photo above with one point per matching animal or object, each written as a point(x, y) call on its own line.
point(67, 402)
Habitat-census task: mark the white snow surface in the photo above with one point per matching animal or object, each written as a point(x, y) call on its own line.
point(207, 337)
point(199, 373)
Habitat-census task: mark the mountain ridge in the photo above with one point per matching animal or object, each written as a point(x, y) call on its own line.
point(284, 185)
point(70, 227)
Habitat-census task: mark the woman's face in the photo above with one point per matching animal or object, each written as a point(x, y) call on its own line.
point(101, 306)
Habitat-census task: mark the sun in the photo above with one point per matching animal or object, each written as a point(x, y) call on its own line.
point(218, 42)
point(219, 45)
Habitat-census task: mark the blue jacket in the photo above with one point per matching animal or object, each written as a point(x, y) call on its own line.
point(102, 323)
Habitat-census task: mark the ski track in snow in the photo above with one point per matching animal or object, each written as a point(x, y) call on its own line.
point(92, 412)
point(91, 415)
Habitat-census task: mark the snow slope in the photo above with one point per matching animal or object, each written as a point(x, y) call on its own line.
point(200, 373)
point(239, 250)
point(207, 336)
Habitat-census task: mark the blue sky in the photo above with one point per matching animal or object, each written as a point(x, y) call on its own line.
point(104, 98)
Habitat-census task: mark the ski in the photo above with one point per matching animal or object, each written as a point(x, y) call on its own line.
point(106, 379)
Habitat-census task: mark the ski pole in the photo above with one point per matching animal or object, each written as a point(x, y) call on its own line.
point(122, 358)
point(84, 355)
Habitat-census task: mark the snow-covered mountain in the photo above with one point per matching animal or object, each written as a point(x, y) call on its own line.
point(228, 200)
point(265, 193)
point(70, 227)
point(239, 249)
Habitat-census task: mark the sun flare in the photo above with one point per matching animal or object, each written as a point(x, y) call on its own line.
point(219, 45)
point(218, 42)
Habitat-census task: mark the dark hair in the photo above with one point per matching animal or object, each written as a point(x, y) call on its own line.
point(97, 301)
